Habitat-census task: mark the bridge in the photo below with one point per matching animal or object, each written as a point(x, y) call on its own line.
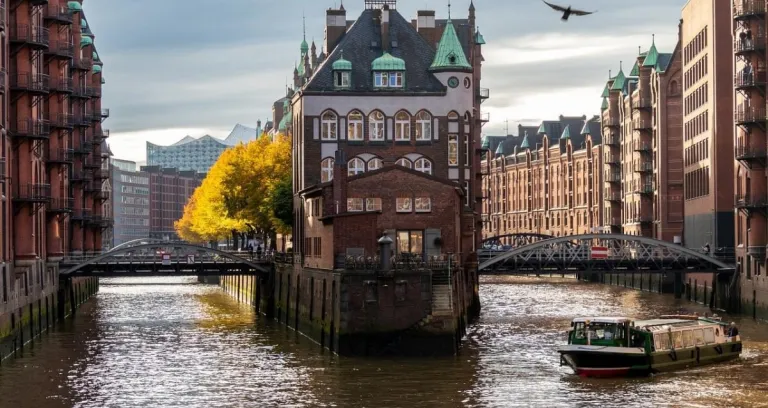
point(151, 257)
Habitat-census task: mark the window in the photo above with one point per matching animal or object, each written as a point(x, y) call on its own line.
point(354, 204)
point(423, 165)
point(404, 204)
point(381, 79)
point(395, 79)
point(341, 79)
point(410, 242)
point(326, 170)
point(375, 164)
point(355, 126)
point(405, 163)
point(468, 195)
point(453, 150)
point(329, 126)
point(376, 123)
point(466, 150)
point(402, 126)
point(355, 166)
point(373, 204)
point(423, 204)
point(423, 126)
point(453, 116)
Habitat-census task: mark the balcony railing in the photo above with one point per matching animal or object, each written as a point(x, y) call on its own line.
point(611, 122)
point(82, 120)
point(61, 205)
point(101, 174)
point(81, 176)
point(485, 117)
point(30, 82)
point(35, 36)
point(81, 215)
point(751, 201)
point(483, 93)
point(743, 9)
point(104, 195)
point(82, 147)
point(641, 219)
point(59, 84)
point(745, 116)
point(641, 103)
point(612, 159)
point(61, 156)
point(63, 121)
point(92, 187)
point(33, 193)
point(58, 13)
point(61, 49)
point(641, 124)
point(747, 45)
point(31, 129)
point(79, 92)
point(83, 63)
point(613, 196)
point(613, 177)
point(747, 153)
point(611, 140)
point(101, 133)
point(642, 147)
point(643, 167)
point(104, 113)
point(644, 189)
point(745, 80)
point(93, 91)
point(91, 163)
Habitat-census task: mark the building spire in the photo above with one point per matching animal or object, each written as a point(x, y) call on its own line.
point(449, 10)
point(304, 25)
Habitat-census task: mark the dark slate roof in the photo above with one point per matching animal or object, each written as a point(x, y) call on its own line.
point(358, 49)
point(663, 61)
point(592, 127)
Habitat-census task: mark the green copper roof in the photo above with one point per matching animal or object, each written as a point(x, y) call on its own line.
point(388, 62)
point(450, 54)
point(525, 144)
point(74, 6)
point(103, 81)
point(542, 129)
point(304, 47)
point(95, 56)
point(618, 82)
point(586, 130)
point(85, 41)
point(341, 64)
point(652, 57)
point(635, 70)
point(606, 92)
point(83, 23)
point(284, 121)
point(96, 69)
point(479, 40)
point(604, 106)
point(566, 133)
point(301, 69)
point(486, 143)
point(500, 148)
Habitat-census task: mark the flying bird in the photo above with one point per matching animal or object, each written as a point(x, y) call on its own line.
point(567, 11)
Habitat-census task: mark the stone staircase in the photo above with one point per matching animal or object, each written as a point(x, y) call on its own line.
point(441, 300)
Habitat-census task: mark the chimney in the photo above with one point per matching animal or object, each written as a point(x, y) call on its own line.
point(335, 27)
point(340, 182)
point(386, 44)
point(425, 25)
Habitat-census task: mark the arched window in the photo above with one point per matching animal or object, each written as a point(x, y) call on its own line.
point(326, 170)
point(355, 126)
point(423, 126)
point(376, 123)
point(355, 167)
point(402, 126)
point(375, 164)
point(453, 116)
point(404, 162)
point(329, 126)
point(423, 165)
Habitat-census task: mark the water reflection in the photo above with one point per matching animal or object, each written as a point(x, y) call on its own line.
point(190, 345)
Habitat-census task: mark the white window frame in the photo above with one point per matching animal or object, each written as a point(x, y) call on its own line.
point(404, 204)
point(402, 127)
point(395, 79)
point(375, 164)
point(453, 150)
point(355, 205)
point(373, 204)
point(376, 126)
point(467, 192)
point(423, 165)
point(421, 201)
point(341, 79)
point(404, 162)
point(355, 166)
point(326, 170)
point(380, 79)
point(423, 126)
point(329, 126)
point(466, 150)
point(355, 126)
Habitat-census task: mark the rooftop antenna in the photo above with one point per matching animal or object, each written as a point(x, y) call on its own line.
point(304, 24)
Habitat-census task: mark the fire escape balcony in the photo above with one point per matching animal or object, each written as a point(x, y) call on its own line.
point(644, 189)
point(104, 113)
point(611, 122)
point(611, 140)
point(61, 156)
point(63, 49)
point(747, 116)
point(485, 117)
point(82, 120)
point(92, 186)
point(101, 174)
point(81, 176)
point(101, 134)
point(93, 91)
point(746, 9)
point(643, 167)
point(638, 219)
point(751, 155)
point(37, 129)
point(751, 202)
point(63, 121)
point(104, 195)
point(613, 177)
point(81, 215)
point(79, 92)
point(29, 82)
point(642, 147)
point(614, 196)
point(61, 85)
point(612, 159)
point(34, 36)
point(2, 170)
point(91, 163)
point(33, 193)
point(59, 14)
point(641, 124)
point(750, 80)
point(483, 94)
point(38, 2)
point(82, 64)
point(2, 82)
point(743, 46)
point(641, 102)
point(59, 205)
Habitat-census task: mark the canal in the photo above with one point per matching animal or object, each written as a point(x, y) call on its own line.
point(174, 343)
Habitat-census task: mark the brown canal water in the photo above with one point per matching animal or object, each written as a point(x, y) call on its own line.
point(141, 343)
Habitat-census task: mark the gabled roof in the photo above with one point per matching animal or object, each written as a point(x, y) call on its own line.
point(618, 82)
point(450, 53)
point(652, 57)
point(359, 49)
point(479, 40)
point(604, 106)
point(606, 92)
point(635, 70)
point(663, 62)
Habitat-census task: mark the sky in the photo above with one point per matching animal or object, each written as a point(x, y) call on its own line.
point(184, 67)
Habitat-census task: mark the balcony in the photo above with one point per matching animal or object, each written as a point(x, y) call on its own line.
point(745, 9)
point(83, 147)
point(59, 14)
point(614, 221)
point(33, 193)
point(31, 129)
point(646, 188)
point(613, 177)
point(61, 85)
point(93, 91)
point(747, 80)
point(81, 215)
point(29, 82)
point(104, 113)
point(643, 167)
point(82, 64)
point(485, 117)
point(81, 120)
point(101, 174)
point(79, 92)
point(611, 122)
point(81, 176)
point(483, 94)
point(642, 147)
point(90, 163)
point(63, 49)
point(751, 202)
point(642, 124)
point(59, 205)
point(743, 46)
point(750, 154)
point(101, 134)
point(641, 103)
point(34, 36)
point(611, 140)
point(63, 121)
point(641, 219)
point(61, 156)
point(2, 170)
point(614, 197)
point(92, 187)
point(612, 159)
point(750, 116)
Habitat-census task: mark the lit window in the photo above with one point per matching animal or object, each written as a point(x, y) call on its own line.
point(423, 165)
point(453, 150)
point(341, 79)
point(404, 162)
point(355, 166)
point(423, 126)
point(355, 126)
point(375, 164)
point(373, 204)
point(381, 79)
point(376, 121)
point(329, 126)
point(402, 126)
point(326, 170)
point(423, 204)
point(354, 204)
point(404, 204)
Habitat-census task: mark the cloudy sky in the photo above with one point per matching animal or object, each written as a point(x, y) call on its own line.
point(178, 67)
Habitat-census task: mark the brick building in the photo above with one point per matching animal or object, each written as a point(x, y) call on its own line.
point(51, 154)
point(546, 180)
point(169, 191)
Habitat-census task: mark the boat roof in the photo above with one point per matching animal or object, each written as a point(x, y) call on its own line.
point(663, 324)
point(602, 319)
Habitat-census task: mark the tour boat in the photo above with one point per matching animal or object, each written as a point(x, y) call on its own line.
point(621, 346)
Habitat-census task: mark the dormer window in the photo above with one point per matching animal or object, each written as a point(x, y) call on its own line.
point(388, 72)
point(342, 72)
point(388, 79)
point(341, 79)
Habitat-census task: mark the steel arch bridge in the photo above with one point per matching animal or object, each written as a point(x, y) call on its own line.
point(517, 239)
point(142, 241)
point(164, 259)
point(626, 253)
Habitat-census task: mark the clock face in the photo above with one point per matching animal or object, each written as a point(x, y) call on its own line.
point(453, 82)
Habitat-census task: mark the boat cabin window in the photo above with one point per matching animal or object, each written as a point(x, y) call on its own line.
point(688, 338)
point(599, 331)
point(709, 335)
point(661, 341)
point(677, 338)
point(698, 336)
